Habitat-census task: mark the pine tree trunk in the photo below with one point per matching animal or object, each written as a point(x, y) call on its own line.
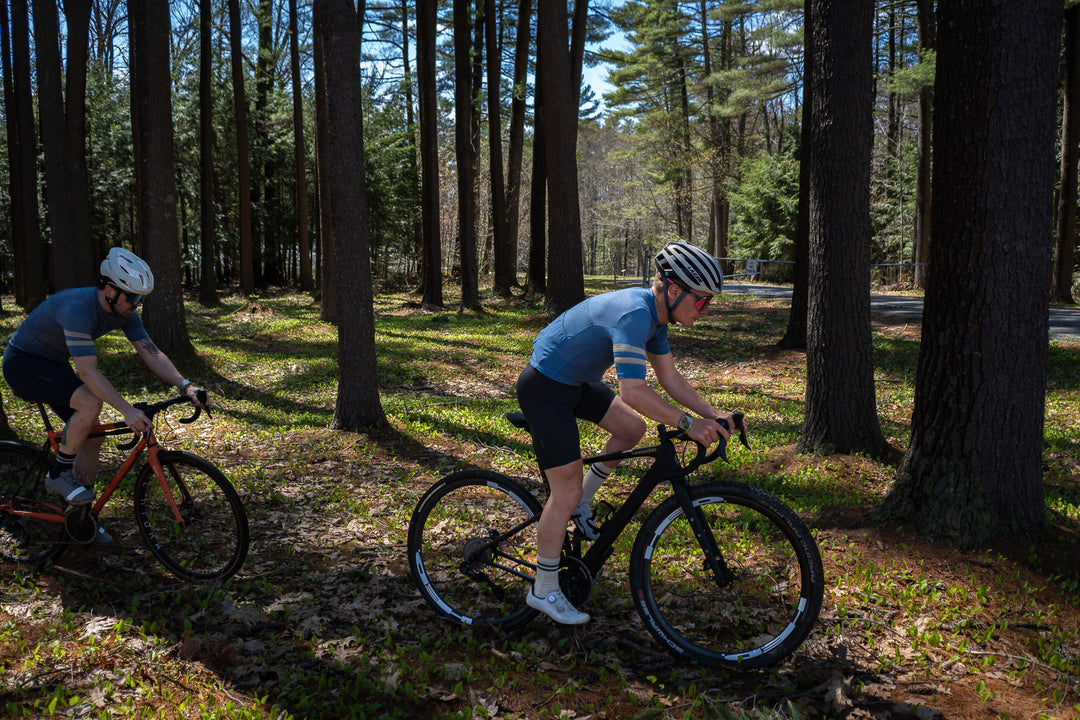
point(358, 405)
point(973, 470)
point(841, 407)
point(431, 263)
point(155, 175)
point(1065, 232)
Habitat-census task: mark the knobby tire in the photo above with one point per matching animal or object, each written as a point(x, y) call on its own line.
point(773, 596)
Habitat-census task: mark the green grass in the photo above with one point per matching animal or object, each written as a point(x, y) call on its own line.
point(323, 621)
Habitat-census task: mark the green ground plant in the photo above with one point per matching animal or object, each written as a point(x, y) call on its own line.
point(323, 620)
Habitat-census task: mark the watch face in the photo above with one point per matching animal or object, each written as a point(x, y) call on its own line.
point(685, 422)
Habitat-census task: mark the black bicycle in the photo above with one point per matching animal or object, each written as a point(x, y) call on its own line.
point(721, 573)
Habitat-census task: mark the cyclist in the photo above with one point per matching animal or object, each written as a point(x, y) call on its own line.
point(564, 381)
point(36, 366)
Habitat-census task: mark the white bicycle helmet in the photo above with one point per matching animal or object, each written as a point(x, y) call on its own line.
point(127, 271)
point(691, 267)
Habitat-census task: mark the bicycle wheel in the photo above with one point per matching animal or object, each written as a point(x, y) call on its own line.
point(22, 483)
point(458, 556)
point(754, 618)
point(209, 539)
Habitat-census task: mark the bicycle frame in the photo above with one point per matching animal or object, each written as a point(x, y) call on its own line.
point(665, 468)
point(145, 441)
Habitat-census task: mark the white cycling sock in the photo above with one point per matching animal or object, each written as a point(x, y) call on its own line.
point(598, 473)
point(547, 576)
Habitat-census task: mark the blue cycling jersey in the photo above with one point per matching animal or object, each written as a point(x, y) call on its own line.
point(614, 328)
point(68, 322)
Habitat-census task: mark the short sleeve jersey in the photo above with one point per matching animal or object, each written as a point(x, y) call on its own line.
point(68, 322)
point(614, 328)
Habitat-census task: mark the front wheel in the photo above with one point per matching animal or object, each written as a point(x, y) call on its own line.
point(192, 520)
point(472, 548)
point(25, 539)
point(765, 604)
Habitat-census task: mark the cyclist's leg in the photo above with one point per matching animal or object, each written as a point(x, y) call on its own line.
point(86, 406)
point(626, 428)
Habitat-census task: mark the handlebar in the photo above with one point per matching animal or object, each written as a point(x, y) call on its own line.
point(152, 409)
point(703, 455)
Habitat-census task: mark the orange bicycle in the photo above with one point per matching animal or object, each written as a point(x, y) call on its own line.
point(189, 515)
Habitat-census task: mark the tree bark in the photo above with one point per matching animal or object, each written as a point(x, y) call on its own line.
point(431, 263)
point(155, 175)
point(243, 161)
point(515, 152)
point(566, 281)
point(465, 153)
point(307, 281)
point(973, 470)
point(207, 223)
point(338, 23)
point(841, 407)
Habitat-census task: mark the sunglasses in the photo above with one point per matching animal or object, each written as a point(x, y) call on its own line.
point(132, 298)
point(700, 301)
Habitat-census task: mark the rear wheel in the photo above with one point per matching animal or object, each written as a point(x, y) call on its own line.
point(193, 521)
point(472, 548)
point(760, 610)
point(22, 489)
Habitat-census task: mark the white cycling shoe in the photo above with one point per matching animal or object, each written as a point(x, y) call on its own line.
point(557, 607)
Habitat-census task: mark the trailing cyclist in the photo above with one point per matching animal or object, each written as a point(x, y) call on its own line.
point(564, 381)
point(64, 327)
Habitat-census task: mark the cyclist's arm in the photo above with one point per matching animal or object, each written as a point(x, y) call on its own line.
point(87, 368)
point(681, 391)
point(163, 367)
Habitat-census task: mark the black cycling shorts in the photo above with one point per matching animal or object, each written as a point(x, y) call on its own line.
point(33, 377)
point(552, 409)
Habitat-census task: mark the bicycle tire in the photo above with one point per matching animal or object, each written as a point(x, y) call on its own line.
point(212, 541)
point(768, 609)
point(22, 482)
point(456, 515)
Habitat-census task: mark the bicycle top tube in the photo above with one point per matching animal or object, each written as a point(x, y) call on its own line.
point(120, 427)
point(667, 438)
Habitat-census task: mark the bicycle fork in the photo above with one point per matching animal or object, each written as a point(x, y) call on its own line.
point(714, 559)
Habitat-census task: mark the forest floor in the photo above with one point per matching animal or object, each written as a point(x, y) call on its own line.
point(323, 620)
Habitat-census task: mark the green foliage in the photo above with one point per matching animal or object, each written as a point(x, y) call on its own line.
point(765, 208)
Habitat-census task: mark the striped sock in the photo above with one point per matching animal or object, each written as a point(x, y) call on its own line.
point(547, 576)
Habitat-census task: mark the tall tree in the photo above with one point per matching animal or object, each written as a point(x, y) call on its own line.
point(63, 136)
point(505, 249)
point(566, 281)
point(207, 224)
point(299, 152)
point(537, 275)
point(243, 160)
point(465, 153)
point(1065, 228)
point(22, 165)
point(516, 149)
point(431, 260)
point(155, 173)
point(338, 23)
point(973, 470)
point(328, 300)
point(841, 407)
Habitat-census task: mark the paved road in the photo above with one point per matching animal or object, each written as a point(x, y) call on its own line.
point(1064, 321)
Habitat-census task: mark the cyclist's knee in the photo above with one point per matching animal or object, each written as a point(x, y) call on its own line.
point(82, 400)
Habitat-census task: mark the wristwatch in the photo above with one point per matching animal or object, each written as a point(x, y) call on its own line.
point(686, 422)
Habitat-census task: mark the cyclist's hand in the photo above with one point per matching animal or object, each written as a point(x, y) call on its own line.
point(136, 419)
point(197, 395)
point(707, 432)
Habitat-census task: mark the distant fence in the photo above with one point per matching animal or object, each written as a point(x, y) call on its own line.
point(783, 271)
